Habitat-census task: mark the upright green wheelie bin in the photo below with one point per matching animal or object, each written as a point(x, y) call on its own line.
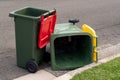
point(27, 21)
point(72, 47)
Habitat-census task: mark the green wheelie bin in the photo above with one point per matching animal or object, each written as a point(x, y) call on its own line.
point(27, 21)
point(72, 47)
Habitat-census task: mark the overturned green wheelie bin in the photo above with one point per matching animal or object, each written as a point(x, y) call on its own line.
point(27, 28)
point(72, 47)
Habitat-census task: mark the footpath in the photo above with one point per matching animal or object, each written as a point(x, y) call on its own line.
point(104, 55)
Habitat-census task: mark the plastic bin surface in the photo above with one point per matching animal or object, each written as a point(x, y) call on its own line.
point(46, 29)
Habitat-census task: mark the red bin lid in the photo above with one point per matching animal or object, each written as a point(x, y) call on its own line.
point(46, 29)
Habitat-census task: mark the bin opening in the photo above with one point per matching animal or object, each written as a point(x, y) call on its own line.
point(31, 12)
point(73, 51)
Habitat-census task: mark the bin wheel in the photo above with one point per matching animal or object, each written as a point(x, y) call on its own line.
point(73, 21)
point(32, 66)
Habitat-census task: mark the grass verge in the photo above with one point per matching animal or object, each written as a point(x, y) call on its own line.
point(105, 71)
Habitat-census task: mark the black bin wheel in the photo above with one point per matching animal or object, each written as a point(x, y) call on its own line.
point(32, 66)
point(73, 21)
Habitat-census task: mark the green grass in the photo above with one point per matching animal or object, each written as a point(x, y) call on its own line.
point(106, 71)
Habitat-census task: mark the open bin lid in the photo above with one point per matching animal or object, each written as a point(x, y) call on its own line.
point(46, 28)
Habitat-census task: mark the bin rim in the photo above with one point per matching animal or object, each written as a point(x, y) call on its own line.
point(14, 14)
point(55, 65)
point(54, 36)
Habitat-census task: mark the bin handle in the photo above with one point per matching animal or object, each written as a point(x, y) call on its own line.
point(11, 14)
point(49, 13)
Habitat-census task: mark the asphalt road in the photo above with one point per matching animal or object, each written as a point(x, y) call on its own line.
point(102, 15)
